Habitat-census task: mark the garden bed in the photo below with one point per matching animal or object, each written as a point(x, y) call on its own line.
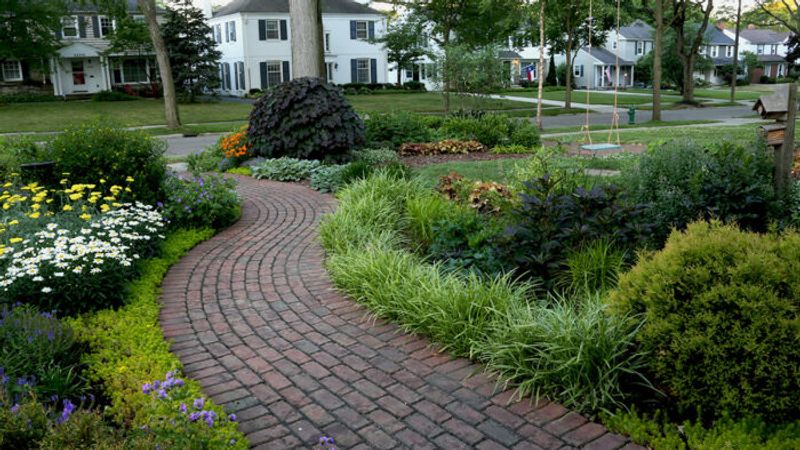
point(418, 161)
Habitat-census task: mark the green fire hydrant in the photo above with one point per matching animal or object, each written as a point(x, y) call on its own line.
point(631, 115)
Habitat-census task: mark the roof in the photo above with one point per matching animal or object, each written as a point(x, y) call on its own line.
point(763, 36)
point(605, 56)
point(715, 36)
point(75, 6)
point(771, 58)
point(282, 6)
point(638, 29)
point(509, 54)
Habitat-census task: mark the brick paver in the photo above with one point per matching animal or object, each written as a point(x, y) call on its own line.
point(254, 318)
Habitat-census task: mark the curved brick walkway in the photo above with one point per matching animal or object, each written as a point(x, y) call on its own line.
point(254, 318)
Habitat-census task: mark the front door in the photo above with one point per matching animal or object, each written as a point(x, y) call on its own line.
point(78, 76)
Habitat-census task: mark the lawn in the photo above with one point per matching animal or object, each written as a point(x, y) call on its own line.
point(427, 102)
point(703, 134)
point(595, 98)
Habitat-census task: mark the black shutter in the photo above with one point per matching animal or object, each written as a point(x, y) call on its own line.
point(262, 30)
point(59, 34)
point(233, 31)
point(286, 74)
point(96, 26)
point(227, 33)
point(228, 75)
point(371, 34)
point(81, 26)
point(236, 75)
point(373, 70)
point(241, 75)
point(284, 33)
point(353, 71)
point(352, 29)
point(263, 67)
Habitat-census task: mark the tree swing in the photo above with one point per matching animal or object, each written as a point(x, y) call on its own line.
point(614, 128)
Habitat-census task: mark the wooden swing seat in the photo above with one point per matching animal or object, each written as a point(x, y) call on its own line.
point(601, 147)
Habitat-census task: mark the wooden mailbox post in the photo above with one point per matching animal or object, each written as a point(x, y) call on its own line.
point(780, 106)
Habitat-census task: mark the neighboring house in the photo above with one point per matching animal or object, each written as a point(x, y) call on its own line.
point(596, 68)
point(423, 70)
point(634, 40)
point(83, 65)
point(718, 48)
point(254, 37)
point(771, 48)
point(522, 61)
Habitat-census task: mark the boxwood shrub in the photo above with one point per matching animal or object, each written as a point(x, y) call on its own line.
point(304, 118)
point(722, 314)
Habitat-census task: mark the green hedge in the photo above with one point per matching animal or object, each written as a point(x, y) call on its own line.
point(127, 348)
point(722, 321)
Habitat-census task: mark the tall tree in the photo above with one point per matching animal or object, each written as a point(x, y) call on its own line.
point(308, 58)
point(540, 78)
point(689, 35)
point(26, 29)
point(119, 9)
point(569, 28)
point(736, 52)
point(192, 51)
point(776, 14)
point(404, 42)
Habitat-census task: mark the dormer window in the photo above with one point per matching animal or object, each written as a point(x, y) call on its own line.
point(639, 47)
point(729, 51)
point(69, 27)
point(773, 50)
point(107, 25)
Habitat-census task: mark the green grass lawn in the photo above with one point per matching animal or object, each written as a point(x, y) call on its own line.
point(740, 133)
point(56, 116)
point(605, 127)
point(580, 97)
point(427, 102)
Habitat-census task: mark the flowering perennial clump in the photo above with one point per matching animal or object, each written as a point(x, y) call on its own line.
point(49, 266)
point(234, 145)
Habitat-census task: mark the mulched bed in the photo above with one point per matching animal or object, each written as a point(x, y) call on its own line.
point(418, 161)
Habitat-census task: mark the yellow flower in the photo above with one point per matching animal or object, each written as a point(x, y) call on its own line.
point(129, 180)
point(75, 196)
point(64, 182)
point(34, 215)
point(102, 181)
point(67, 208)
point(35, 206)
point(15, 240)
point(109, 198)
point(127, 189)
point(14, 222)
point(86, 216)
point(104, 208)
point(116, 205)
point(6, 206)
point(2, 249)
point(8, 184)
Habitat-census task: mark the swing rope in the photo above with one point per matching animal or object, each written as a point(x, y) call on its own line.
point(585, 128)
point(615, 115)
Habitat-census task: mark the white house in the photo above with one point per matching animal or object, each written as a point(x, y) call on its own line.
point(634, 40)
point(597, 69)
point(83, 65)
point(771, 48)
point(254, 37)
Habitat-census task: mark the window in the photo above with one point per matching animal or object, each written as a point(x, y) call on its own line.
point(218, 33)
point(274, 74)
point(409, 73)
point(639, 47)
point(780, 70)
point(715, 51)
point(614, 44)
point(69, 27)
point(226, 73)
point(728, 51)
point(106, 26)
point(703, 49)
point(578, 70)
point(273, 29)
point(239, 76)
point(362, 30)
point(134, 71)
point(12, 71)
point(232, 31)
point(362, 71)
point(760, 49)
point(327, 42)
point(329, 71)
point(773, 50)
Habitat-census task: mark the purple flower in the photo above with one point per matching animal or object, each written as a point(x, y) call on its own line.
point(194, 416)
point(232, 442)
point(199, 403)
point(179, 382)
point(209, 421)
point(170, 375)
point(183, 408)
point(232, 417)
point(15, 408)
point(147, 388)
point(162, 393)
point(51, 335)
point(160, 204)
point(69, 407)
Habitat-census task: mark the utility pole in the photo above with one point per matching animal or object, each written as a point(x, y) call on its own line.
point(308, 59)
point(736, 53)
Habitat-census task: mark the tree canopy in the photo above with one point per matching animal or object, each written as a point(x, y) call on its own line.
point(26, 28)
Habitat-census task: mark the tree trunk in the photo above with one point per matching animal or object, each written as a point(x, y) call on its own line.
point(688, 78)
point(148, 8)
point(308, 59)
point(399, 75)
point(445, 73)
point(540, 70)
point(568, 76)
point(657, 50)
point(736, 53)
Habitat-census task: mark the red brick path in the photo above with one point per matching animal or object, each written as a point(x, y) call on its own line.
point(254, 318)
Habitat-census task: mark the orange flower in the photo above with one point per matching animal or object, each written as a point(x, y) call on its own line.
point(235, 145)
